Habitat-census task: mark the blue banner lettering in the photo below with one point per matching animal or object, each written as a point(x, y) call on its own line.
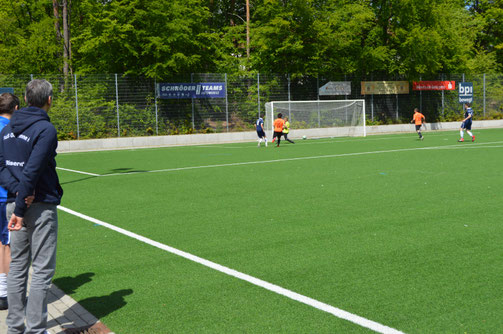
point(202, 90)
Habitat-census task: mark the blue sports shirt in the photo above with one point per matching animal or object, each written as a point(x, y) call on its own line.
point(469, 112)
point(259, 124)
point(3, 193)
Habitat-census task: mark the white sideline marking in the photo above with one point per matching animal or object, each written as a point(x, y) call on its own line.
point(300, 158)
point(253, 280)
point(78, 171)
point(454, 146)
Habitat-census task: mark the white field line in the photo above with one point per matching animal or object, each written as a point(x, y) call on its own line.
point(454, 146)
point(77, 171)
point(321, 140)
point(253, 280)
point(300, 158)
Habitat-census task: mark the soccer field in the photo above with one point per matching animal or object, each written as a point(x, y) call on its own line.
point(383, 232)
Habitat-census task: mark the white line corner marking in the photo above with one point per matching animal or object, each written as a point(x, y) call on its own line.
point(253, 280)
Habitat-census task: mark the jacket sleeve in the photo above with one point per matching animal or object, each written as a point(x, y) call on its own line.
point(43, 149)
point(7, 180)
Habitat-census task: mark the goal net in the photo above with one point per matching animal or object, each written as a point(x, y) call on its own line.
point(319, 118)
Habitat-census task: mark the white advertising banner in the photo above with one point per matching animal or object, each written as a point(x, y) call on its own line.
point(336, 88)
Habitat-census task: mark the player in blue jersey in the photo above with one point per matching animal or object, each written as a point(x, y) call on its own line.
point(467, 123)
point(259, 126)
point(8, 104)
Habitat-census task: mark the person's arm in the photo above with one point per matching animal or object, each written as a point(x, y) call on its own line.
point(7, 180)
point(35, 165)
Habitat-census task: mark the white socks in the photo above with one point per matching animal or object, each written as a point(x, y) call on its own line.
point(3, 285)
point(461, 133)
point(471, 134)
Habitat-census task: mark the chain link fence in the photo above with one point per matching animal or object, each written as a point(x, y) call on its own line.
point(114, 105)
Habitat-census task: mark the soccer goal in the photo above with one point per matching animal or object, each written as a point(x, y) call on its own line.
point(320, 118)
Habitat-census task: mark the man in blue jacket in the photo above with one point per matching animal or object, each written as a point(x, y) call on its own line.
point(28, 168)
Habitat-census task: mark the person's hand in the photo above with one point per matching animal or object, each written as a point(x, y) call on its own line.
point(15, 223)
point(28, 200)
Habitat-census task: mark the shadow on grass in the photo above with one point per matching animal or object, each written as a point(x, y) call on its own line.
point(70, 284)
point(124, 170)
point(79, 180)
point(75, 320)
point(103, 305)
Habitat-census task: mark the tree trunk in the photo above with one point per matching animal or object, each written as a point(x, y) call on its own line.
point(56, 19)
point(66, 39)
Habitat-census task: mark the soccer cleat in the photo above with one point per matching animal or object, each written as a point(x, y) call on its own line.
point(421, 138)
point(273, 139)
point(3, 303)
point(473, 138)
point(265, 144)
point(461, 140)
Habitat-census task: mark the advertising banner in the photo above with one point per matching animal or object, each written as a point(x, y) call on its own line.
point(385, 87)
point(202, 90)
point(465, 92)
point(434, 85)
point(336, 88)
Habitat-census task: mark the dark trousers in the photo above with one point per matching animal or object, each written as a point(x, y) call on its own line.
point(286, 138)
point(278, 135)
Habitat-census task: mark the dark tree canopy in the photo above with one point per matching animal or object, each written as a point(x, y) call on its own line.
point(168, 38)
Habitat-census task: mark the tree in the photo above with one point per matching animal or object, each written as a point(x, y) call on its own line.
point(489, 39)
point(152, 38)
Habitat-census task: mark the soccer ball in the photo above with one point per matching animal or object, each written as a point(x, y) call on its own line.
point(304, 137)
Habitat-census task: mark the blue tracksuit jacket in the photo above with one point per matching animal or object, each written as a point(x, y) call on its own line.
point(27, 159)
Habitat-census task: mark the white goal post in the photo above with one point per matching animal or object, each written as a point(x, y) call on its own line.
point(319, 118)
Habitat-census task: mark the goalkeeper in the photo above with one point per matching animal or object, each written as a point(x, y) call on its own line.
point(279, 124)
point(286, 130)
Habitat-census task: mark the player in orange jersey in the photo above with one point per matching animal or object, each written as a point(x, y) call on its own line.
point(279, 124)
point(418, 119)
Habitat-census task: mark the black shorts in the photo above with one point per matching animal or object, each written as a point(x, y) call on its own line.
point(418, 127)
point(467, 125)
point(278, 134)
point(260, 133)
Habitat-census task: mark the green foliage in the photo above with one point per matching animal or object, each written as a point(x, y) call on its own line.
point(161, 39)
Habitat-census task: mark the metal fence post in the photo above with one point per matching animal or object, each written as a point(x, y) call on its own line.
point(397, 107)
point(193, 112)
point(77, 106)
point(421, 98)
point(462, 107)
point(443, 107)
point(372, 101)
point(289, 97)
point(117, 105)
point(155, 104)
point(226, 103)
point(318, 103)
point(484, 95)
point(258, 93)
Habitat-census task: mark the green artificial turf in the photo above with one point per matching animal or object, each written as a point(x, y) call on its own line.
point(403, 232)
